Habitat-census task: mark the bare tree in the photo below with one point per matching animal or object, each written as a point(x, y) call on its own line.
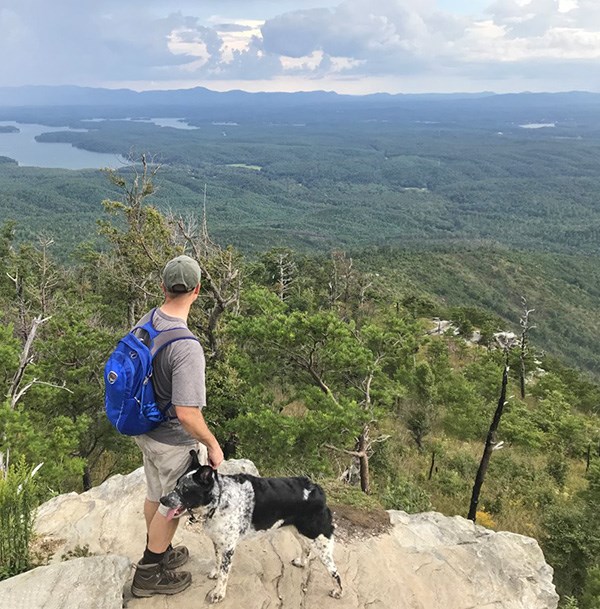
point(341, 277)
point(507, 341)
point(18, 388)
point(221, 273)
point(286, 269)
point(363, 448)
point(19, 283)
point(524, 346)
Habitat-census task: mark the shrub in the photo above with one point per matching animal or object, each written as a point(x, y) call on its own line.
point(17, 511)
point(484, 519)
point(401, 494)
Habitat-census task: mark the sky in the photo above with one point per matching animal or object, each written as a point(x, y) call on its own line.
point(348, 46)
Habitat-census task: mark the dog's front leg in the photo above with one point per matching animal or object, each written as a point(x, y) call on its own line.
point(224, 556)
point(324, 548)
point(214, 573)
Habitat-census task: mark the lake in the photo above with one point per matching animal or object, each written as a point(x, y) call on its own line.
point(174, 123)
point(537, 125)
point(23, 148)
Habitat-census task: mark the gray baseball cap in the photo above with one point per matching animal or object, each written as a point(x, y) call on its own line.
point(182, 274)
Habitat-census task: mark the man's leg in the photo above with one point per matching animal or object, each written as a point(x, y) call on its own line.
point(152, 575)
point(150, 508)
point(161, 532)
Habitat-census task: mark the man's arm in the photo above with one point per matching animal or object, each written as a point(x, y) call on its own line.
point(193, 422)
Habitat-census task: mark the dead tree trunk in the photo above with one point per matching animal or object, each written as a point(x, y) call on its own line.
point(363, 460)
point(525, 327)
point(489, 445)
point(87, 479)
point(362, 455)
point(432, 466)
point(284, 275)
point(16, 391)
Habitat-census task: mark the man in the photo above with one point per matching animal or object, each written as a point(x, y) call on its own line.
point(178, 378)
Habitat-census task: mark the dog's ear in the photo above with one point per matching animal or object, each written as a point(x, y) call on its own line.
point(204, 475)
point(195, 464)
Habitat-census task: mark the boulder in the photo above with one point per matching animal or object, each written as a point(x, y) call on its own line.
point(83, 583)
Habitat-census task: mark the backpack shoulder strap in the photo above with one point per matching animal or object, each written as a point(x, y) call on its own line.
point(146, 332)
point(166, 337)
point(156, 340)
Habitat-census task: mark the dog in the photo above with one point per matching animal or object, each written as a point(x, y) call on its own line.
point(233, 507)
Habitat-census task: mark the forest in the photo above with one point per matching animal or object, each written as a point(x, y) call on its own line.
point(331, 259)
point(409, 174)
point(448, 196)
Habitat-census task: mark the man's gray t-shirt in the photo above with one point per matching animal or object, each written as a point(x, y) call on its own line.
point(178, 379)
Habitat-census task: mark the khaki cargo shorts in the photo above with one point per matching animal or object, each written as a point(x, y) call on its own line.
point(163, 464)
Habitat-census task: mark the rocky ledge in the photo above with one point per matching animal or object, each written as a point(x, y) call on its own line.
point(394, 560)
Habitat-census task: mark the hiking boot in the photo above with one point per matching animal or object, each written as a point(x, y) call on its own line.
point(175, 557)
point(155, 579)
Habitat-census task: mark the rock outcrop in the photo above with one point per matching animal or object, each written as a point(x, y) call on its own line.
point(83, 583)
point(394, 560)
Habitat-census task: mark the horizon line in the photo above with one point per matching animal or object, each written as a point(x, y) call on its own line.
point(299, 91)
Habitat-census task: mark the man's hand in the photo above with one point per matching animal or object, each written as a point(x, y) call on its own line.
point(193, 422)
point(215, 455)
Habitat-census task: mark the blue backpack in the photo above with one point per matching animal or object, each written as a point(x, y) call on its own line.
point(128, 391)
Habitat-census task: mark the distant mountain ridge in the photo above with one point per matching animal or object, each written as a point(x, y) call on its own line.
point(70, 95)
point(61, 105)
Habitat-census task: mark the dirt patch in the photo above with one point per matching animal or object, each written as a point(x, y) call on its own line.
point(354, 523)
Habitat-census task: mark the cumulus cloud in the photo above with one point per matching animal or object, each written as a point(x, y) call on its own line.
point(379, 35)
point(395, 37)
point(69, 41)
point(398, 35)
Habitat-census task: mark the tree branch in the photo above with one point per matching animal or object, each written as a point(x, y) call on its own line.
point(352, 453)
point(25, 359)
point(26, 388)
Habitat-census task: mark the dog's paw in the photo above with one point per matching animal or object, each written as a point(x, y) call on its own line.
point(213, 574)
point(215, 596)
point(335, 593)
point(298, 562)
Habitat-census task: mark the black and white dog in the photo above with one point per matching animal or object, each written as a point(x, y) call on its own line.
point(233, 507)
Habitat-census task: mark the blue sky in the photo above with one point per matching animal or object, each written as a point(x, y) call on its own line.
point(349, 46)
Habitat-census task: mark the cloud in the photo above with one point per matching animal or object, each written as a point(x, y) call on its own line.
point(379, 35)
point(63, 42)
point(233, 27)
point(69, 41)
point(296, 34)
point(399, 37)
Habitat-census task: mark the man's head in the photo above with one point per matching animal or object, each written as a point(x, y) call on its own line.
point(181, 275)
